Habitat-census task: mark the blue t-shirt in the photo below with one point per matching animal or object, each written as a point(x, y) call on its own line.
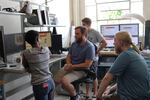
point(80, 53)
point(132, 75)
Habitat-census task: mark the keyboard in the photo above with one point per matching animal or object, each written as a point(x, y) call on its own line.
point(57, 55)
point(3, 65)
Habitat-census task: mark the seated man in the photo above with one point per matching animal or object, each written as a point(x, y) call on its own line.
point(130, 68)
point(81, 55)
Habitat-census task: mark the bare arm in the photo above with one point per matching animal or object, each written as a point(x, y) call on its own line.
point(85, 64)
point(68, 59)
point(25, 63)
point(102, 45)
point(105, 82)
point(69, 66)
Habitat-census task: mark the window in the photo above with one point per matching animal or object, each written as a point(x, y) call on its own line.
point(110, 11)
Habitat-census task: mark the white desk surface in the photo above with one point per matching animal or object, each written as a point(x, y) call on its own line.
point(20, 69)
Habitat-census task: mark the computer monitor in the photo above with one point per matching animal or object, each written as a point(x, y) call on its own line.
point(56, 47)
point(14, 43)
point(135, 40)
point(10, 44)
point(109, 41)
point(44, 39)
point(132, 28)
point(108, 31)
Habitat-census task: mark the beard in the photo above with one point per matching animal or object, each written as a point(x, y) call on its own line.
point(118, 50)
point(79, 40)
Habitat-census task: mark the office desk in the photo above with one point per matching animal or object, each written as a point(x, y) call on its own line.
point(108, 53)
point(106, 60)
point(17, 84)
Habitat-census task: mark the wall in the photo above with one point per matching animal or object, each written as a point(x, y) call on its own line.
point(146, 9)
point(11, 23)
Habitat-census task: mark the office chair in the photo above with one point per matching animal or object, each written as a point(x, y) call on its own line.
point(88, 79)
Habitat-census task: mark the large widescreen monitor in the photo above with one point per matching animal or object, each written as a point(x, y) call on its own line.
point(132, 28)
point(108, 31)
point(44, 39)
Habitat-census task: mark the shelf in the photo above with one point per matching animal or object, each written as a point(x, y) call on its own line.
point(12, 13)
point(44, 25)
point(32, 3)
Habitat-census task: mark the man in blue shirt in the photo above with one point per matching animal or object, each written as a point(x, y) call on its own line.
point(130, 68)
point(81, 55)
point(98, 40)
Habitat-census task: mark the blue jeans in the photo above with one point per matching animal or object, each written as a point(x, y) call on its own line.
point(44, 91)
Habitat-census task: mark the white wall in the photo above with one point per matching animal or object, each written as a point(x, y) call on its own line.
point(146, 9)
point(11, 23)
point(8, 3)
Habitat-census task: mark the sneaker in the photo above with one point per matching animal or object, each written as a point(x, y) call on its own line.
point(77, 97)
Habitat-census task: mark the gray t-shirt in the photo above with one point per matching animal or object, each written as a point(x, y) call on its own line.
point(133, 80)
point(38, 61)
point(80, 53)
point(94, 36)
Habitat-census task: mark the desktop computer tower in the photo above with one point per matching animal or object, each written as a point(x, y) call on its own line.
point(147, 35)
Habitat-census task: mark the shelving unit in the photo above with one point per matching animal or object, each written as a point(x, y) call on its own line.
point(25, 16)
point(12, 13)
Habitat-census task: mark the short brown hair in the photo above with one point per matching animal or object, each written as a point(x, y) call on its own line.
point(87, 20)
point(83, 29)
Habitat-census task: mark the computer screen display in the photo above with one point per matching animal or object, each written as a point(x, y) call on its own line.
point(56, 47)
point(133, 29)
point(44, 39)
point(14, 43)
point(135, 40)
point(110, 41)
point(109, 30)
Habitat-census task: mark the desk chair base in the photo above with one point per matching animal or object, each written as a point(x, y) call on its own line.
point(78, 83)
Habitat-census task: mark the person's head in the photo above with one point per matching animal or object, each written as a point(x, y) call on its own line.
point(80, 33)
point(123, 40)
point(86, 22)
point(32, 37)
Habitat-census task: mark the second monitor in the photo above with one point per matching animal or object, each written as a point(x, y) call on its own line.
point(56, 43)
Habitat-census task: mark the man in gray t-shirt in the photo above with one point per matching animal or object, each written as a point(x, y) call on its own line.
point(98, 40)
point(93, 35)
